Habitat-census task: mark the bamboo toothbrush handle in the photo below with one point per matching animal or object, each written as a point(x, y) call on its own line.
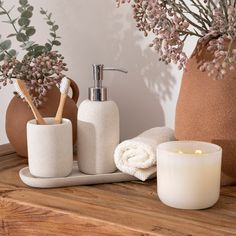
point(24, 93)
point(35, 111)
point(58, 117)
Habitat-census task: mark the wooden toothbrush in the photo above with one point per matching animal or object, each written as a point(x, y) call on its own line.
point(64, 89)
point(24, 94)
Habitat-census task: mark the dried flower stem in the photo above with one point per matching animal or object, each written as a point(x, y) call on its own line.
point(223, 5)
point(190, 33)
point(177, 7)
point(204, 11)
point(201, 20)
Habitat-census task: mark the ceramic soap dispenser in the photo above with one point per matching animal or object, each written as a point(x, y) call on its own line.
point(98, 128)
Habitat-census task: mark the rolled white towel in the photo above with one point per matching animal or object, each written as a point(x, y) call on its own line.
point(137, 156)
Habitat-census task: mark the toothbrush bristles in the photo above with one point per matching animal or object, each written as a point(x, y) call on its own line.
point(19, 91)
point(64, 85)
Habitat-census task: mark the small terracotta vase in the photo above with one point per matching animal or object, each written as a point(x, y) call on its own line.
point(206, 109)
point(19, 113)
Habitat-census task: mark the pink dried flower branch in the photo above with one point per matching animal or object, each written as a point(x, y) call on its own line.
point(172, 21)
point(41, 67)
point(39, 74)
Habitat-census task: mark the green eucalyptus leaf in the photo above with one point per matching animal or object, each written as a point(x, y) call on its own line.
point(18, 67)
point(23, 21)
point(43, 12)
point(12, 52)
point(5, 45)
point(49, 16)
point(30, 31)
point(11, 35)
point(30, 54)
point(23, 2)
point(2, 57)
point(53, 35)
point(10, 21)
point(49, 22)
point(56, 43)
point(21, 37)
point(34, 46)
point(38, 50)
point(20, 9)
point(27, 14)
point(55, 27)
point(6, 21)
point(3, 13)
point(48, 46)
point(30, 8)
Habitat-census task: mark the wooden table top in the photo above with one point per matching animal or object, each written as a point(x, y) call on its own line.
point(107, 209)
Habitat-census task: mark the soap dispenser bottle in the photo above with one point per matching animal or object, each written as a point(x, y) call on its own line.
point(98, 128)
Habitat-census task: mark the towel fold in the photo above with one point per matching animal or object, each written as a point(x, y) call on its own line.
point(137, 156)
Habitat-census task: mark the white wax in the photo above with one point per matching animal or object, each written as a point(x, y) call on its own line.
point(188, 180)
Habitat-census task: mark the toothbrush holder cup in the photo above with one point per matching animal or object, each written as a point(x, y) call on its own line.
point(50, 148)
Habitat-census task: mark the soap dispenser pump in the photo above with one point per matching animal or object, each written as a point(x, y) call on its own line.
point(98, 127)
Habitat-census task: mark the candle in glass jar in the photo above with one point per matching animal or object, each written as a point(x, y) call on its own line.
point(188, 174)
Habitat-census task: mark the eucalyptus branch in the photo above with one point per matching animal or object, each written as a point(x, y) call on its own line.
point(53, 29)
point(12, 22)
point(200, 19)
point(10, 19)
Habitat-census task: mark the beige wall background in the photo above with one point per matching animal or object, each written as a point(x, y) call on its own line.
point(95, 31)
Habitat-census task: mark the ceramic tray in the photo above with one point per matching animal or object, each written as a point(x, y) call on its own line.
point(75, 178)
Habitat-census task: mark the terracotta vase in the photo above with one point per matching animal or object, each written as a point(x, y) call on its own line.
point(206, 110)
point(19, 113)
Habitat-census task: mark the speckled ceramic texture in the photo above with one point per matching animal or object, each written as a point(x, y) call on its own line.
point(50, 148)
point(76, 178)
point(206, 109)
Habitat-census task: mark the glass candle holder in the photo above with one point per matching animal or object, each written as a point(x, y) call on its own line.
point(188, 174)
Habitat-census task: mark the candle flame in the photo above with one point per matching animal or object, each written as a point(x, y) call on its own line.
point(198, 152)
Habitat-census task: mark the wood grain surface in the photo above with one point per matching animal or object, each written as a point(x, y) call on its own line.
point(108, 209)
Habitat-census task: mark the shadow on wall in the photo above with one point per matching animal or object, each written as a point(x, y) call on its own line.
point(109, 36)
point(148, 83)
